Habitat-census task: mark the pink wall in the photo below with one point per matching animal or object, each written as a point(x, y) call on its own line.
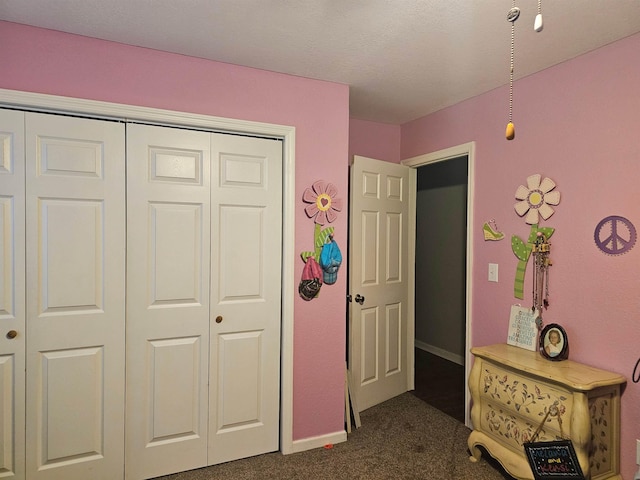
point(44, 61)
point(374, 140)
point(576, 123)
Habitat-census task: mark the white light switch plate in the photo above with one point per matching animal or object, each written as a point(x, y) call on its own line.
point(493, 272)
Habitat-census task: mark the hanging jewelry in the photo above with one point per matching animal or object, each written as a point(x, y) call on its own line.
point(540, 250)
point(512, 16)
point(537, 23)
point(545, 302)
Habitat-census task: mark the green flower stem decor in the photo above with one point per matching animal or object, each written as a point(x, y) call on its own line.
point(522, 251)
point(320, 237)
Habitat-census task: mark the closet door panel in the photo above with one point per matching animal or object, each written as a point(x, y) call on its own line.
point(72, 381)
point(71, 257)
point(240, 245)
point(75, 278)
point(246, 245)
point(12, 295)
point(175, 376)
point(175, 244)
point(11, 466)
point(167, 300)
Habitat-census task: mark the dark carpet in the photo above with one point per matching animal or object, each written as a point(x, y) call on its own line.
point(402, 438)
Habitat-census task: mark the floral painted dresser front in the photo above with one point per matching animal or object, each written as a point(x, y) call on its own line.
point(512, 391)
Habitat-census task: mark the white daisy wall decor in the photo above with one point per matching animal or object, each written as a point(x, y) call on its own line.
point(536, 198)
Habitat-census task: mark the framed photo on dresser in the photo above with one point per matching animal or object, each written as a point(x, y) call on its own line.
point(554, 344)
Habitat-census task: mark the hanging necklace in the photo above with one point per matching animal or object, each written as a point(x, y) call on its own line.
point(512, 16)
point(540, 250)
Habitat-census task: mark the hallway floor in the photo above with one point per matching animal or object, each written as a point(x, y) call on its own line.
point(440, 383)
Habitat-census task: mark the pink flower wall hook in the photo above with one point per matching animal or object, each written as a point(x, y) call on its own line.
point(322, 201)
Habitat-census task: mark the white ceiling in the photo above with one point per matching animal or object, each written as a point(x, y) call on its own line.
point(401, 58)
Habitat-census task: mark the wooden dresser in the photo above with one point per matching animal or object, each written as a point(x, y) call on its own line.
point(512, 390)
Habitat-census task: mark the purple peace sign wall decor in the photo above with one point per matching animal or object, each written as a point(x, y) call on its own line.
point(615, 235)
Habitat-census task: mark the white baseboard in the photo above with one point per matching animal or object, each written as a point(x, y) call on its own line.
point(319, 441)
point(452, 357)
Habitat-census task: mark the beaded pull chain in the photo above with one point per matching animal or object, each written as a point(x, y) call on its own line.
point(512, 16)
point(537, 24)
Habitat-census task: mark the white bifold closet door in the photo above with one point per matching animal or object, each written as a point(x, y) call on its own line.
point(62, 244)
point(12, 295)
point(75, 251)
point(204, 222)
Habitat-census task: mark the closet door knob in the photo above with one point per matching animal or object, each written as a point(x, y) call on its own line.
point(12, 334)
point(219, 319)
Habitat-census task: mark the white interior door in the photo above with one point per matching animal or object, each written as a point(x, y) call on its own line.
point(379, 280)
point(75, 243)
point(246, 254)
point(167, 300)
point(12, 295)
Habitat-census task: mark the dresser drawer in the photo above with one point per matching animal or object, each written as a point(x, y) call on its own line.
point(525, 397)
point(511, 429)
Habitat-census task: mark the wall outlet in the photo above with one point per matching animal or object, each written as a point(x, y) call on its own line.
point(637, 475)
point(493, 272)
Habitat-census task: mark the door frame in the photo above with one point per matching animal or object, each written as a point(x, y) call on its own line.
point(467, 149)
point(129, 113)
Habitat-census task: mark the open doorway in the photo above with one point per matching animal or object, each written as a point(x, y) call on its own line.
point(444, 355)
point(440, 284)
